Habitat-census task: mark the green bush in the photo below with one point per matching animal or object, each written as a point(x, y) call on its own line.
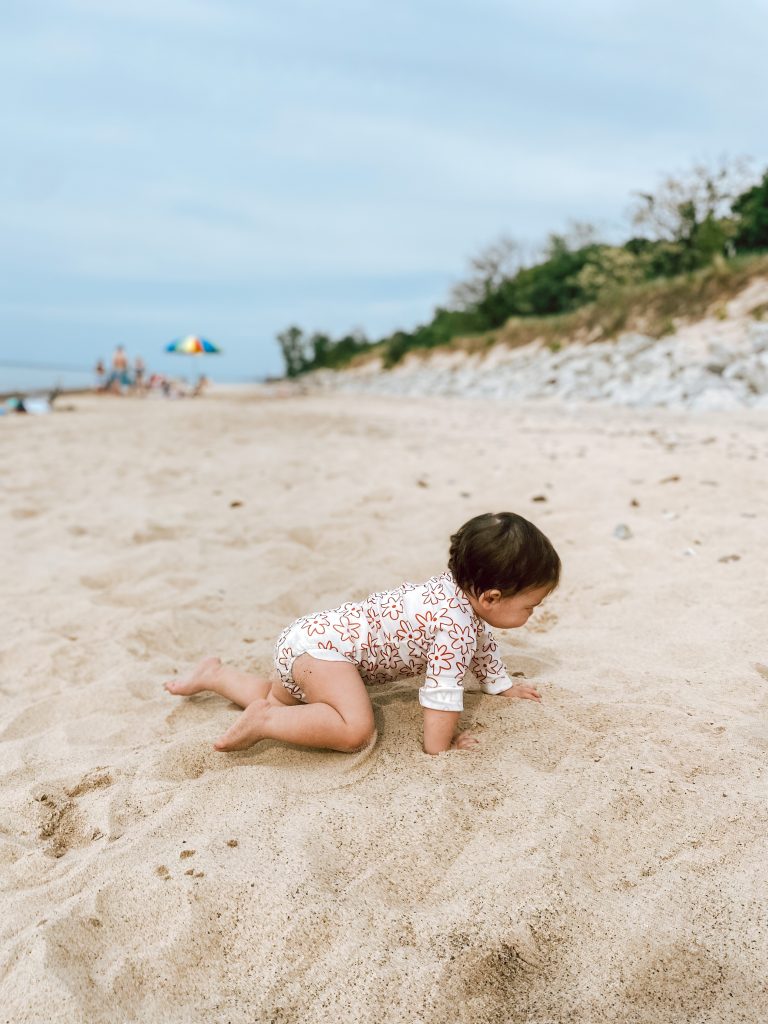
point(751, 210)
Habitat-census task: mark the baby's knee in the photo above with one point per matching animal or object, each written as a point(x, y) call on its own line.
point(358, 735)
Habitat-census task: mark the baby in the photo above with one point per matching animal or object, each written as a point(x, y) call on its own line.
point(500, 568)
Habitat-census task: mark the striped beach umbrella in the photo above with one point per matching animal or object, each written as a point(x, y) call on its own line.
point(193, 346)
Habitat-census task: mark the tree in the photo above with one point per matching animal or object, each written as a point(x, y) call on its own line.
point(608, 267)
point(321, 346)
point(581, 234)
point(492, 265)
point(398, 345)
point(751, 210)
point(294, 348)
point(691, 212)
point(553, 285)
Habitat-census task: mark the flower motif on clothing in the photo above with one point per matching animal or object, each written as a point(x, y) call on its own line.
point(392, 606)
point(432, 621)
point(440, 659)
point(348, 628)
point(368, 665)
point(434, 592)
point(285, 659)
point(407, 631)
point(326, 645)
point(485, 664)
point(445, 620)
point(462, 637)
point(317, 625)
point(416, 653)
point(389, 657)
point(459, 602)
point(374, 619)
point(295, 689)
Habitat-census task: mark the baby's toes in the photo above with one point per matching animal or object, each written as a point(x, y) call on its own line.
point(176, 686)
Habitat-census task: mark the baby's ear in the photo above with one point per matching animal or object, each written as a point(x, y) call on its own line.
point(491, 596)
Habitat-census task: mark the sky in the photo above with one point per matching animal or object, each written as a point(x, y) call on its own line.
point(230, 167)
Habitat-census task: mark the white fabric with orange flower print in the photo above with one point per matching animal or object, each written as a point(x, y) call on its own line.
point(427, 627)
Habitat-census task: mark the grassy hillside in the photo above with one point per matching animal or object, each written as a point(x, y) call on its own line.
point(654, 308)
point(702, 239)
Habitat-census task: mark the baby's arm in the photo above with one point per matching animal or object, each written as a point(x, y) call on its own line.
point(489, 670)
point(440, 732)
point(439, 729)
point(442, 695)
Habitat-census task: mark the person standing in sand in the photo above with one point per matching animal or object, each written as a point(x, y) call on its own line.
point(119, 377)
point(500, 568)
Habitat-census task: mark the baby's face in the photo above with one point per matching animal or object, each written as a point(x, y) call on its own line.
point(508, 612)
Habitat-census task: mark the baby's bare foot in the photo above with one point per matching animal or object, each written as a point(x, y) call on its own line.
point(202, 677)
point(247, 730)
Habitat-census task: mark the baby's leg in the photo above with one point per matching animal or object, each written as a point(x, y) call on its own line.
point(239, 687)
point(337, 716)
point(279, 694)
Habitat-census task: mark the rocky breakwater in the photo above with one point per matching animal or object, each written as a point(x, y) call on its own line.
point(716, 364)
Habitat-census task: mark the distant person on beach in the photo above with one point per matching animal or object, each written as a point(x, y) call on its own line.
point(119, 378)
point(500, 568)
point(139, 370)
point(100, 372)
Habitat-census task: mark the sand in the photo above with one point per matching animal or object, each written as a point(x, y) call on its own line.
point(599, 858)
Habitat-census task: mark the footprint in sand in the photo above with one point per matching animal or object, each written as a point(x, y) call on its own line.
point(35, 719)
point(612, 597)
point(153, 532)
point(25, 513)
point(376, 498)
point(61, 823)
point(305, 536)
point(543, 621)
point(96, 582)
point(525, 666)
point(187, 759)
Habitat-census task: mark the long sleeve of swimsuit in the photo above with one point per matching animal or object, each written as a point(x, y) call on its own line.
point(486, 665)
point(461, 643)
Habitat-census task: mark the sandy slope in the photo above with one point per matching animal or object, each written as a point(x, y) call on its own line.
point(601, 858)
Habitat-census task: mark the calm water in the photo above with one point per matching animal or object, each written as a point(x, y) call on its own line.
point(35, 378)
point(26, 379)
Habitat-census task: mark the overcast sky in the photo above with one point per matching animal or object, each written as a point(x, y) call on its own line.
point(229, 167)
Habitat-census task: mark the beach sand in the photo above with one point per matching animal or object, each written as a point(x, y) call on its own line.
point(599, 858)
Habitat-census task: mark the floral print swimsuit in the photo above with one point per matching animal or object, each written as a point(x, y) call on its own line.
point(417, 628)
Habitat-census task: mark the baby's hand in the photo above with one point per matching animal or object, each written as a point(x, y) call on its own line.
point(464, 741)
point(522, 690)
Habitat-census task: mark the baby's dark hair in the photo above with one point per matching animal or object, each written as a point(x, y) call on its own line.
point(502, 551)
